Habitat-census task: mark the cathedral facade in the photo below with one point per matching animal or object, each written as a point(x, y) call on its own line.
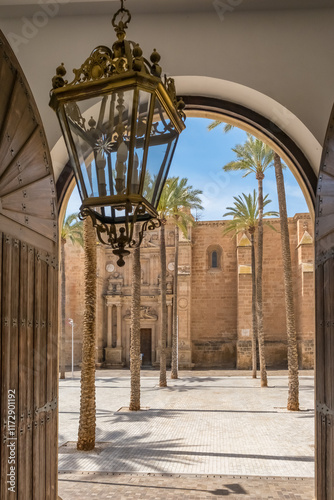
point(214, 298)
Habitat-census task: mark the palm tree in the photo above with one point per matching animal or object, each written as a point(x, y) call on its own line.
point(135, 332)
point(163, 213)
point(163, 290)
point(176, 202)
point(245, 215)
point(293, 393)
point(255, 157)
point(72, 230)
point(86, 434)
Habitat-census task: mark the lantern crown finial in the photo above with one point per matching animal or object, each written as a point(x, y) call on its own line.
point(123, 58)
point(122, 24)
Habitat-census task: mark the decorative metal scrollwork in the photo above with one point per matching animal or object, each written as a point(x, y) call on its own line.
point(121, 236)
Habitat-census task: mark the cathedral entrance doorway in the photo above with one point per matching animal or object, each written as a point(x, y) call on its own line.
point(146, 346)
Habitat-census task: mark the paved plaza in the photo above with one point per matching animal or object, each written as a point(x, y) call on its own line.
point(207, 435)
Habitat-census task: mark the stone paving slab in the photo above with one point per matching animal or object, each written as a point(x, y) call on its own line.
point(200, 424)
point(207, 435)
point(122, 486)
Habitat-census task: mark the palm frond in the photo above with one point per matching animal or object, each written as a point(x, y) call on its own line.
point(245, 213)
point(73, 230)
point(226, 128)
point(177, 200)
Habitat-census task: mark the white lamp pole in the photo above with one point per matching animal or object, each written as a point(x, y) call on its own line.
point(70, 320)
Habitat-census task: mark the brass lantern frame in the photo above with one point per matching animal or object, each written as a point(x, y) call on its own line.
point(133, 81)
point(108, 72)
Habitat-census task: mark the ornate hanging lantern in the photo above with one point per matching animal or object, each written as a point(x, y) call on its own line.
point(121, 123)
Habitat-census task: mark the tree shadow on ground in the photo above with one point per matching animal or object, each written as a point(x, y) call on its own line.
point(128, 452)
point(229, 489)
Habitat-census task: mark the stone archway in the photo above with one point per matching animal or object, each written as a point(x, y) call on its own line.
point(266, 130)
point(28, 294)
point(320, 202)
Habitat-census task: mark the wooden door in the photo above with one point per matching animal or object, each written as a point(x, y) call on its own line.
point(324, 275)
point(28, 294)
point(146, 345)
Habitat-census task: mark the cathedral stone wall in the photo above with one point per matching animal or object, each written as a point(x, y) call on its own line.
point(214, 298)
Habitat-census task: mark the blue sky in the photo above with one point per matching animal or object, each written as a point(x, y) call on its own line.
point(200, 156)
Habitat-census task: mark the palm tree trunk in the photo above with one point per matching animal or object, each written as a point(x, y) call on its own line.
point(163, 378)
point(254, 319)
point(174, 370)
point(293, 393)
point(259, 303)
point(135, 333)
point(86, 435)
point(63, 310)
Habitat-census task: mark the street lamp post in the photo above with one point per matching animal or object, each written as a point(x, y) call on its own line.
point(121, 122)
point(72, 324)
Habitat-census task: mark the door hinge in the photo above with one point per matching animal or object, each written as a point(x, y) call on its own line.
point(323, 409)
point(52, 405)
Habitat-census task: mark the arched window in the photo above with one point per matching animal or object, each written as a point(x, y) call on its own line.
point(214, 257)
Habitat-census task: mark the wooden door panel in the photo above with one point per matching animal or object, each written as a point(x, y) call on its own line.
point(29, 367)
point(8, 107)
point(326, 205)
point(19, 123)
point(7, 79)
point(23, 456)
point(326, 182)
point(28, 291)
point(146, 345)
point(324, 254)
point(28, 166)
point(44, 227)
point(27, 188)
point(32, 200)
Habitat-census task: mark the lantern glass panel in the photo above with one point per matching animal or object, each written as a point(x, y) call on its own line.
point(101, 132)
point(139, 131)
point(162, 142)
point(73, 162)
point(163, 177)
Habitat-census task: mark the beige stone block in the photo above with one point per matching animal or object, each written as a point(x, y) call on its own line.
point(244, 241)
point(185, 359)
point(113, 356)
point(244, 355)
point(242, 269)
point(307, 267)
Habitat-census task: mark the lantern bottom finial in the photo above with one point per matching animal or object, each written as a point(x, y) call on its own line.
point(121, 253)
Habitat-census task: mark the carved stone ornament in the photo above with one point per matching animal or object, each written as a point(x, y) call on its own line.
point(110, 267)
point(115, 284)
point(184, 269)
point(146, 312)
